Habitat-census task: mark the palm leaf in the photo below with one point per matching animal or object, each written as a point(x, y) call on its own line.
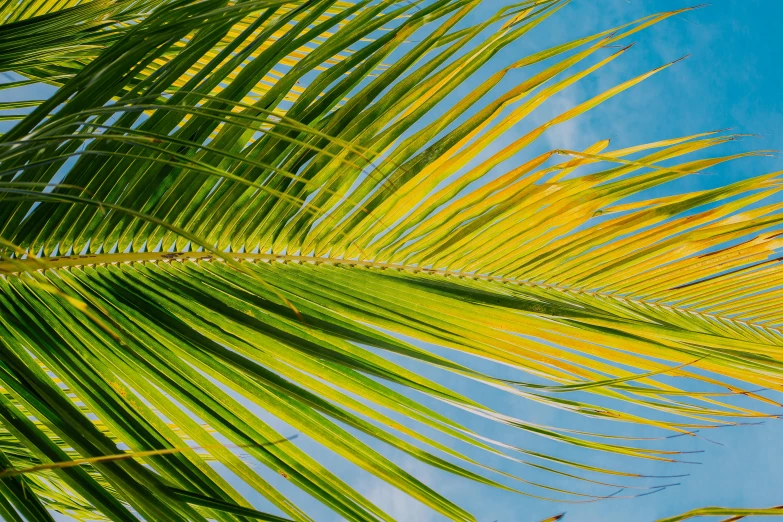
point(737, 514)
point(231, 207)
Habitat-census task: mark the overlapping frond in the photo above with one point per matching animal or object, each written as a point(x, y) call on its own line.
point(52, 41)
point(736, 513)
point(234, 207)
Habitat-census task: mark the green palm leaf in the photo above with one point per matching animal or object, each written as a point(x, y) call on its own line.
point(229, 207)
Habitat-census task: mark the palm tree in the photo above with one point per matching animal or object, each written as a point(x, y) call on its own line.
point(234, 206)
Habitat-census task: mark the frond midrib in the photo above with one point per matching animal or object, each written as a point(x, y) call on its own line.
point(16, 267)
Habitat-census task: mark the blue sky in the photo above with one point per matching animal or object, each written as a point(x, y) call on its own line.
point(733, 79)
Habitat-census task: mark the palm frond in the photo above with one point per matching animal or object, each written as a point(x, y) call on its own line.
point(233, 207)
point(736, 514)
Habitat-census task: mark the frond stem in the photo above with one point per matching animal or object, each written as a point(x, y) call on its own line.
point(17, 266)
